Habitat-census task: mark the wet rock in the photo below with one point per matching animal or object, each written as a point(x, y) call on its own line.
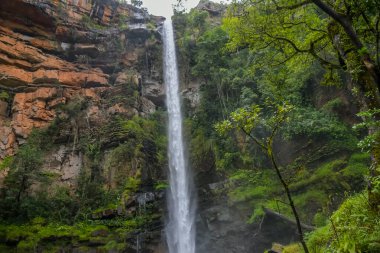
point(65, 165)
point(70, 169)
point(154, 91)
point(145, 198)
point(193, 96)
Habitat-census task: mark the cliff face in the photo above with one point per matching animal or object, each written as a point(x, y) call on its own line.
point(84, 75)
point(51, 51)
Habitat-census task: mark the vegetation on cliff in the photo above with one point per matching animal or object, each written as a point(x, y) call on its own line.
point(36, 212)
point(267, 55)
point(82, 148)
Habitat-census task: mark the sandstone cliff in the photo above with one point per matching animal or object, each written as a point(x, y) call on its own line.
point(82, 75)
point(52, 51)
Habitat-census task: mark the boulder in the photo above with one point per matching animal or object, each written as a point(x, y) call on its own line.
point(154, 91)
point(147, 106)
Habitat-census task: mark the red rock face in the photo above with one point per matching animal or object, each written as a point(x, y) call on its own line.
point(51, 42)
point(54, 50)
point(31, 110)
point(25, 61)
point(37, 109)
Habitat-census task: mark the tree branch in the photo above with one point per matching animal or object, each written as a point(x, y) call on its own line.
point(311, 50)
point(284, 61)
point(343, 20)
point(323, 61)
point(289, 42)
point(257, 141)
point(292, 7)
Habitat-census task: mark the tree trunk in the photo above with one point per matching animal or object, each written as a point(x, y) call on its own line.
point(365, 82)
point(291, 203)
point(348, 31)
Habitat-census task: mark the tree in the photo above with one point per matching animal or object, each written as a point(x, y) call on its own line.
point(343, 36)
point(247, 120)
point(352, 16)
point(24, 171)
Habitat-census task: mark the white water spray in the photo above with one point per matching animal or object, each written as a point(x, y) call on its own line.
point(180, 230)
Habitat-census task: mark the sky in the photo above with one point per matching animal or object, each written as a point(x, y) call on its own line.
point(164, 7)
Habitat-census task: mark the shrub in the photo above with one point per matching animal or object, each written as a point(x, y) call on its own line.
point(354, 227)
point(4, 96)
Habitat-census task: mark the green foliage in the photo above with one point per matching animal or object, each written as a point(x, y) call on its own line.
point(312, 190)
point(209, 55)
point(40, 233)
point(276, 32)
point(315, 124)
point(132, 184)
point(123, 25)
point(354, 227)
point(135, 127)
point(24, 170)
point(252, 185)
point(161, 185)
point(114, 245)
point(6, 162)
point(74, 107)
point(311, 199)
point(248, 119)
point(320, 219)
point(245, 119)
point(325, 172)
point(290, 31)
point(370, 122)
point(200, 145)
point(89, 23)
point(293, 248)
point(4, 96)
point(332, 105)
point(357, 166)
point(143, 149)
point(244, 66)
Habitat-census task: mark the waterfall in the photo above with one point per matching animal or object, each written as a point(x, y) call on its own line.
point(180, 229)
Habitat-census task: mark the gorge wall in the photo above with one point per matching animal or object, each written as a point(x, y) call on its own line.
point(53, 50)
point(84, 74)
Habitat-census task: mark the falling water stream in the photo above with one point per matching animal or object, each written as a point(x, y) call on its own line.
point(180, 229)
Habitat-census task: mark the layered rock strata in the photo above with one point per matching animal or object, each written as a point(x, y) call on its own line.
point(53, 51)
